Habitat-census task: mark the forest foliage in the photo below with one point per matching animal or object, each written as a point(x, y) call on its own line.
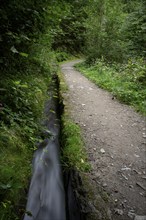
point(34, 35)
point(116, 30)
point(116, 49)
point(126, 82)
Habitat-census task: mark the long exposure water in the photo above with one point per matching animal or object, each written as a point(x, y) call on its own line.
point(46, 197)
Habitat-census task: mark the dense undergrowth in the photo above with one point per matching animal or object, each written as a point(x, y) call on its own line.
point(22, 98)
point(25, 72)
point(127, 82)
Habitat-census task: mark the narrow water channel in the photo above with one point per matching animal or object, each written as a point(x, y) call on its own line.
point(46, 200)
point(46, 197)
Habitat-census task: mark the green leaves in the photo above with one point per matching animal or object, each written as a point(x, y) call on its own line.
point(115, 30)
point(68, 29)
point(135, 30)
point(102, 25)
point(5, 186)
point(14, 50)
point(23, 54)
point(22, 22)
point(127, 82)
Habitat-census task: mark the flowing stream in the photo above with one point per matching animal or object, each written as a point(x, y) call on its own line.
point(46, 197)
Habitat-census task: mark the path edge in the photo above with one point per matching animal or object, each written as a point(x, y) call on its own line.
point(93, 200)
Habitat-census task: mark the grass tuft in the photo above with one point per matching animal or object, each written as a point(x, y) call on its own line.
point(73, 150)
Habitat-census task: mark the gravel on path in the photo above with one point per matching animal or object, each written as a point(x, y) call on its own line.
point(114, 136)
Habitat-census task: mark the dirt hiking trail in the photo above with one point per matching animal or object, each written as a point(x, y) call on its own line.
point(114, 137)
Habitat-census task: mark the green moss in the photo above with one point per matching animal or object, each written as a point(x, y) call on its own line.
point(98, 198)
point(73, 150)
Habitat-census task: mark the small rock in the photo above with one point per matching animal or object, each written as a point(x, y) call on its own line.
point(123, 205)
point(104, 184)
point(137, 172)
point(143, 177)
point(140, 185)
point(130, 186)
point(126, 168)
point(136, 155)
point(141, 194)
point(119, 211)
point(94, 149)
point(140, 217)
point(102, 150)
point(83, 104)
point(125, 177)
point(131, 214)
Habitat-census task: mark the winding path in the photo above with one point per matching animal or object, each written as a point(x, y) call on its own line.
point(114, 136)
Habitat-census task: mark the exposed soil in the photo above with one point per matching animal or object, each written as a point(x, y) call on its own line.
point(114, 136)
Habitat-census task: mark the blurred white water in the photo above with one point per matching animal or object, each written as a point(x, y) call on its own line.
point(46, 199)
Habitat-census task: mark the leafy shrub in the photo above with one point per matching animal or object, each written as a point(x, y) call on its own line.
point(61, 56)
point(22, 99)
point(126, 82)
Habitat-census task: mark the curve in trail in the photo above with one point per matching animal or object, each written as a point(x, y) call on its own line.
point(113, 135)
